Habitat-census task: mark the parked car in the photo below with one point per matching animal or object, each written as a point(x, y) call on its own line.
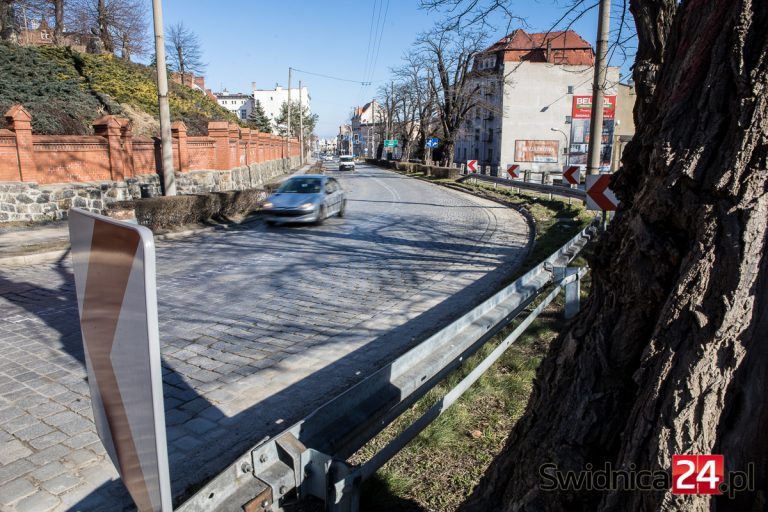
point(309, 198)
point(346, 163)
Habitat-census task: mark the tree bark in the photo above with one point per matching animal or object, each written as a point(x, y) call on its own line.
point(669, 354)
point(58, 31)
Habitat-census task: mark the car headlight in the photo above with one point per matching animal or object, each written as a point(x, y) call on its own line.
point(267, 205)
point(307, 206)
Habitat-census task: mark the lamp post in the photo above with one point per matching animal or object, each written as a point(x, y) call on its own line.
point(566, 143)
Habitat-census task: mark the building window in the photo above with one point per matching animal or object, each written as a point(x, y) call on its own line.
point(568, 119)
point(570, 89)
point(490, 154)
point(490, 134)
point(477, 134)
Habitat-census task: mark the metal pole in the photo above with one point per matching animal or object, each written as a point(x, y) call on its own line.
point(166, 149)
point(301, 129)
point(289, 128)
point(598, 88)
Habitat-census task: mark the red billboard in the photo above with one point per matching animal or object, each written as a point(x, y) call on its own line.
point(582, 107)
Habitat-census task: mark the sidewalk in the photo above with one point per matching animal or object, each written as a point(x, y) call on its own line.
point(27, 245)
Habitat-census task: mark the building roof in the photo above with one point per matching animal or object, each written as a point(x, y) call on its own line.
point(561, 47)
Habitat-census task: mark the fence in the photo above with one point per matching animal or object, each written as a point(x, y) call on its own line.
point(114, 154)
point(309, 458)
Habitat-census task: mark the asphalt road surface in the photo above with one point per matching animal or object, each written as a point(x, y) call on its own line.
point(258, 327)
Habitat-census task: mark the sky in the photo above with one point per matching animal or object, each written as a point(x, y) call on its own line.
point(246, 41)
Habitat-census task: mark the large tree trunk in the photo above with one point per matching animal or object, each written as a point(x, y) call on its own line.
point(103, 22)
point(670, 353)
point(8, 22)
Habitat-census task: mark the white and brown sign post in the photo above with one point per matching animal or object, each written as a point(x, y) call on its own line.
point(114, 267)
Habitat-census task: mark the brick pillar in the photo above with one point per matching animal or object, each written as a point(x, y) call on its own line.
point(126, 135)
point(20, 122)
point(245, 136)
point(179, 135)
point(219, 132)
point(261, 156)
point(234, 136)
point(109, 128)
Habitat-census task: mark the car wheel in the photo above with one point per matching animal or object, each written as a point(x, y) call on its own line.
point(320, 216)
point(271, 223)
point(343, 208)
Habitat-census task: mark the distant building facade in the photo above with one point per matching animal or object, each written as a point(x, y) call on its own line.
point(272, 99)
point(41, 34)
point(236, 102)
point(531, 87)
point(367, 126)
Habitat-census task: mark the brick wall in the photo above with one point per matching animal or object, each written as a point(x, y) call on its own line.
point(42, 175)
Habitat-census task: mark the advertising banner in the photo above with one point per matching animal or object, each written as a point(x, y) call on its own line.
point(540, 151)
point(580, 123)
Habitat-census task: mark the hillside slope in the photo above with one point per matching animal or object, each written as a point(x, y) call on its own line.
point(65, 90)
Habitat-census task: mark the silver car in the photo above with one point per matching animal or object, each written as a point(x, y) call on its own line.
point(306, 198)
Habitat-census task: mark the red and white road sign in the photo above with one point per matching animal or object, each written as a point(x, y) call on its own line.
point(472, 165)
point(114, 267)
point(572, 174)
point(512, 171)
point(599, 196)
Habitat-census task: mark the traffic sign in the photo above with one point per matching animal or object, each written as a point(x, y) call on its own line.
point(432, 142)
point(390, 143)
point(599, 196)
point(114, 268)
point(572, 174)
point(512, 170)
point(472, 165)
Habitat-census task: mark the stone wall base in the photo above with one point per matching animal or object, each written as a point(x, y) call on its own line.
point(28, 201)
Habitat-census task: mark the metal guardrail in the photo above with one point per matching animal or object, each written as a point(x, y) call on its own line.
point(564, 191)
point(308, 459)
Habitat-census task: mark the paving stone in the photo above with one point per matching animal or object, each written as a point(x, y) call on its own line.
point(199, 425)
point(16, 490)
point(33, 431)
point(41, 501)
point(80, 457)
point(48, 471)
point(47, 440)
point(60, 484)
point(12, 451)
point(15, 470)
point(80, 440)
point(48, 455)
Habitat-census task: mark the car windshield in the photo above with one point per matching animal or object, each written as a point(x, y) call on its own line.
point(300, 186)
point(346, 159)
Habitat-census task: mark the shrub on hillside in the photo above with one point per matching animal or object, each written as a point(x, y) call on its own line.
point(50, 88)
point(65, 90)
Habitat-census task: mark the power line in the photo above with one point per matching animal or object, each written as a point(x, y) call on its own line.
point(378, 46)
point(362, 82)
point(371, 37)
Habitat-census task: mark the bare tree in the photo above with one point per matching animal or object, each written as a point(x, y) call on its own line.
point(416, 106)
point(119, 25)
point(668, 356)
point(184, 52)
point(449, 55)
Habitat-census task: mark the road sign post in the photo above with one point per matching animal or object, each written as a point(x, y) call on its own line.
point(432, 142)
point(513, 171)
point(572, 174)
point(599, 196)
point(114, 267)
point(472, 165)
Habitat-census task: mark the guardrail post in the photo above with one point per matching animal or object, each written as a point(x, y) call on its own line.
point(572, 293)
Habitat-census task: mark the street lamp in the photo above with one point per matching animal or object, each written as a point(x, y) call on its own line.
point(566, 143)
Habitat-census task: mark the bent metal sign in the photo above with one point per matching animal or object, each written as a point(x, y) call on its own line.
point(114, 267)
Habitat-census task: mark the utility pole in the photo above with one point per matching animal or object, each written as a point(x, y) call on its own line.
point(598, 88)
point(288, 131)
point(166, 150)
point(301, 129)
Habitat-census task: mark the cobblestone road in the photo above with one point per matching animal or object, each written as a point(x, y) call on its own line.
point(258, 326)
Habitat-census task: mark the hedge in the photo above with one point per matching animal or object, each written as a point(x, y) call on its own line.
point(171, 212)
